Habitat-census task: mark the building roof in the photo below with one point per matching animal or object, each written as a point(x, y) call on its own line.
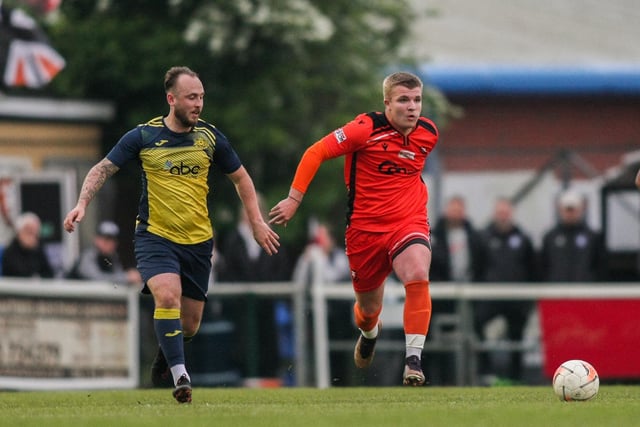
point(527, 32)
point(529, 46)
point(17, 107)
point(521, 80)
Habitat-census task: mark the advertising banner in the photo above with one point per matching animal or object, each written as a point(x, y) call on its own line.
point(601, 332)
point(67, 335)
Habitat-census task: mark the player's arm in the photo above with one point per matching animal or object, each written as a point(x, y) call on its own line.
point(262, 233)
point(638, 179)
point(307, 168)
point(94, 180)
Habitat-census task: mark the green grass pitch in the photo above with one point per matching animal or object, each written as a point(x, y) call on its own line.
point(615, 405)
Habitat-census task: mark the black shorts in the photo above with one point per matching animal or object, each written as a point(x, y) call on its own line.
point(156, 255)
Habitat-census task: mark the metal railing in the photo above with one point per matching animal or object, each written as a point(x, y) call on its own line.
point(297, 293)
point(463, 294)
point(311, 354)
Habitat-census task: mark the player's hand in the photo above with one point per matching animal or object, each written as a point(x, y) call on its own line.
point(75, 215)
point(281, 213)
point(266, 237)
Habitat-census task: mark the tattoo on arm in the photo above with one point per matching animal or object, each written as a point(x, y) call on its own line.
point(96, 178)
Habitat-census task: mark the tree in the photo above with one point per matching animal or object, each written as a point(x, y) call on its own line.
point(278, 75)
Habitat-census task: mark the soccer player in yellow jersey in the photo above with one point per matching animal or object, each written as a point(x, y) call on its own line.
point(174, 235)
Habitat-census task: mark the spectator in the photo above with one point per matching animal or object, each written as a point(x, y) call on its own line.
point(458, 253)
point(571, 250)
point(458, 256)
point(333, 267)
point(101, 261)
point(25, 256)
point(242, 260)
point(510, 257)
point(334, 261)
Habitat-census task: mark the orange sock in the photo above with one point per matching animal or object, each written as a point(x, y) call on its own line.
point(364, 322)
point(417, 307)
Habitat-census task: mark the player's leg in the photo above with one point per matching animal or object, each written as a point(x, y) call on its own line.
point(166, 289)
point(366, 311)
point(191, 316)
point(411, 265)
point(195, 262)
point(369, 266)
point(160, 373)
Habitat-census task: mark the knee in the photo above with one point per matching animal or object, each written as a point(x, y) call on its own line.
point(371, 308)
point(164, 298)
point(418, 273)
point(190, 325)
point(190, 331)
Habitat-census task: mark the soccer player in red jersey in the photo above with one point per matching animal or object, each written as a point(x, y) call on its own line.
point(387, 223)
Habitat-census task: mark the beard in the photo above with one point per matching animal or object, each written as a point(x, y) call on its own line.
point(183, 118)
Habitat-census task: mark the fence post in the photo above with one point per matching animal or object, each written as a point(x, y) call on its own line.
point(320, 327)
point(300, 338)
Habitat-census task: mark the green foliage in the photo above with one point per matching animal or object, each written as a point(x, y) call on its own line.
point(279, 74)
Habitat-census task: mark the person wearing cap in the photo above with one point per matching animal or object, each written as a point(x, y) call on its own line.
point(101, 261)
point(571, 250)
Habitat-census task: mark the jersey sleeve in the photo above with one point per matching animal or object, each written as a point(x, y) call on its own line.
point(127, 148)
point(309, 165)
point(225, 157)
point(341, 141)
point(349, 138)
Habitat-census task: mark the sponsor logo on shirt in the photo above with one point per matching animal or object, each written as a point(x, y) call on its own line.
point(390, 168)
point(406, 154)
point(181, 169)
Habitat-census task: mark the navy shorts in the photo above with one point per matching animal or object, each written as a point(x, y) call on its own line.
point(156, 255)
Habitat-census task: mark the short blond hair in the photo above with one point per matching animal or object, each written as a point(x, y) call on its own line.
point(401, 78)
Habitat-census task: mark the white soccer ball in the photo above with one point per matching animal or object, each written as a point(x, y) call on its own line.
point(576, 380)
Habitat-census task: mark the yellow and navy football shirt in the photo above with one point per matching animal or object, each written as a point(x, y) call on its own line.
point(175, 170)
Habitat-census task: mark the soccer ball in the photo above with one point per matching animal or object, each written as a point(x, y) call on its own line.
point(576, 380)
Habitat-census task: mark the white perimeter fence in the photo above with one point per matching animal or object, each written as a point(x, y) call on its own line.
point(72, 334)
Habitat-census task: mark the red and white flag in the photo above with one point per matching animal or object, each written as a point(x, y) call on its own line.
point(27, 58)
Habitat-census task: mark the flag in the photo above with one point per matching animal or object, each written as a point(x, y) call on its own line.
point(26, 57)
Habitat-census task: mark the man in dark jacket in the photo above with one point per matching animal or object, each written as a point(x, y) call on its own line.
point(239, 261)
point(457, 256)
point(25, 256)
point(510, 257)
point(571, 250)
point(458, 253)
